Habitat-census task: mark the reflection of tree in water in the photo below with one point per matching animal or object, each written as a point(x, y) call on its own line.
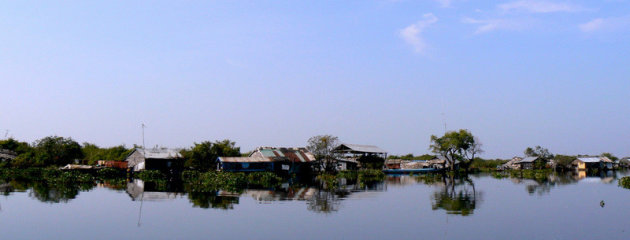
point(57, 192)
point(212, 200)
point(457, 196)
point(324, 201)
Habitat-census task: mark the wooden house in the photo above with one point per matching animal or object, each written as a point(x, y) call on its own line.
point(298, 159)
point(7, 155)
point(155, 159)
point(393, 163)
point(531, 162)
point(251, 164)
point(512, 164)
point(584, 163)
point(353, 153)
point(347, 164)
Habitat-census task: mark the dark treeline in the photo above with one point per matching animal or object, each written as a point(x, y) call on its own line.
point(59, 151)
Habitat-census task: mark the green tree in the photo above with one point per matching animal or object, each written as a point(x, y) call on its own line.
point(15, 146)
point(322, 147)
point(203, 156)
point(92, 153)
point(538, 151)
point(563, 161)
point(541, 153)
point(456, 146)
point(610, 156)
point(57, 151)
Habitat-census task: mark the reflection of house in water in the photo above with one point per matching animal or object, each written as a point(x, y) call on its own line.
point(263, 195)
point(139, 190)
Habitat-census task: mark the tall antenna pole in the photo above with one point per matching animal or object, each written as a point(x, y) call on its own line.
point(6, 133)
point(443, 115)
point(143, 126)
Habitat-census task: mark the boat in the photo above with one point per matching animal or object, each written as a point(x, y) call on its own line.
point(414, 170)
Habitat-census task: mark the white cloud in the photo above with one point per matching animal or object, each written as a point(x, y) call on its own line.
point(412, 33)
point(535, 6)
point(592, 26)
point(605, 24)
point(489, 25)
point(444, 3)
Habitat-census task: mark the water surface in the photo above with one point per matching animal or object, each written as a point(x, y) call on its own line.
point(479, 206)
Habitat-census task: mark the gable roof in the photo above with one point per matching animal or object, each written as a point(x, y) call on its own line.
point(359, 148)
point(160, 153)
point(594, 159)
point(292, 154)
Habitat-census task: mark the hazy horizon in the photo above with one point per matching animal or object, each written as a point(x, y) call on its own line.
point(389, 73)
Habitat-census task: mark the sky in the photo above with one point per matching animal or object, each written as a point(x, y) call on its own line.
point(516, 73)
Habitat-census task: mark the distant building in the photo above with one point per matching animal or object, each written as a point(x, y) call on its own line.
point(7, 155)
point(393, 163)
point(440, 162)
point(344, 164)
point(531, 162)
point(356, 150)
point(298, 159)
point(251, 164)
point(512, 164)
point(583, 163)
point(112, 164)
point(352, 153)
point(155, 159)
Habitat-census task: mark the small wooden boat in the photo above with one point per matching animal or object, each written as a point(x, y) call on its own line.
point(407, 171)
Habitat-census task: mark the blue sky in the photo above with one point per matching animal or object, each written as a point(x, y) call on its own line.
point(389, 73)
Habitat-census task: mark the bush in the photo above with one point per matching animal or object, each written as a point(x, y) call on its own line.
point(151, 175)
point(109, 173)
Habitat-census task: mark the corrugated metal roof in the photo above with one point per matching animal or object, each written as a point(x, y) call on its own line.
point(590, 159)
point(291, 154)
point(528, 159)
point(245, 159)
point(160, 153)
point(362, 148)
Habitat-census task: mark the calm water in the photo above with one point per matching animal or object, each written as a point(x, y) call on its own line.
point(405, 207)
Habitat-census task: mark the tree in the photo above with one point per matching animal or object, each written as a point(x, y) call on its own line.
point(456, 146)
point(538, 151)
point(563, 161)
point(203, 156)
point(610, 156)
point(322, 147)
point(541, 153)
point(57, 151)
point(93, 153)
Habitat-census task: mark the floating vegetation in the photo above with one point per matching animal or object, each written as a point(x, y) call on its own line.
point(624, 182)
point(236, 182)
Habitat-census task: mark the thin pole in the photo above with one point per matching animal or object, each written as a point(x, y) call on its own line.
point(143, 126)
point(443, 115)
